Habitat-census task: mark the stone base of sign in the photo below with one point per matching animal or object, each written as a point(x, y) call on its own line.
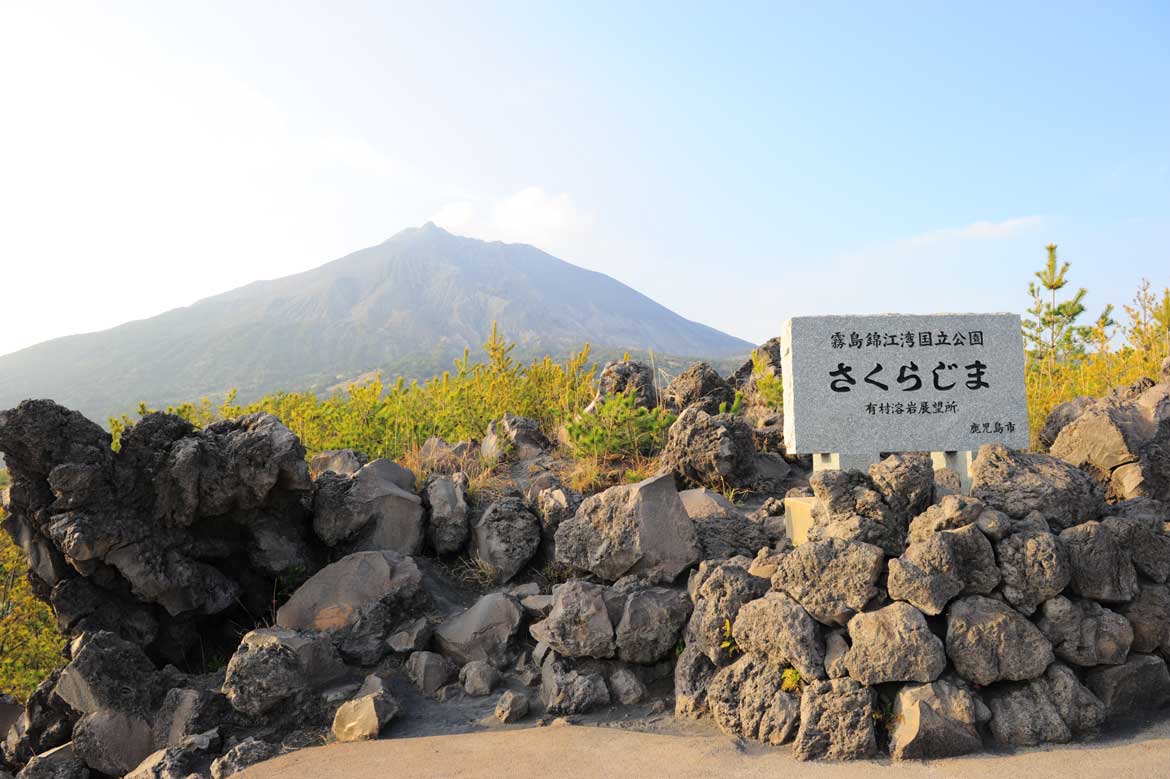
point(798, 519)
point(835, 461)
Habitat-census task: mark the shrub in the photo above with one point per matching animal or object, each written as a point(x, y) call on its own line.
point(619, 427)
point(30, 646)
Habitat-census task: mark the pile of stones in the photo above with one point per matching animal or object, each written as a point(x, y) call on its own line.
point(226, 600)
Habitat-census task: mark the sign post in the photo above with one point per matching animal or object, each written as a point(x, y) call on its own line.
point(856, 387)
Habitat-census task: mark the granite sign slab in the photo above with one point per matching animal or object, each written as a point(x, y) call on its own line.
point(901, 383)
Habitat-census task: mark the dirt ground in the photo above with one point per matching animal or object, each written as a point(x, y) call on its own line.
point(590, 750)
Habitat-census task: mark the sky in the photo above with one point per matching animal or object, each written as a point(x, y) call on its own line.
point(738, 165)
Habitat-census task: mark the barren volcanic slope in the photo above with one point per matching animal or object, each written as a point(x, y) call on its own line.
point(407, 306)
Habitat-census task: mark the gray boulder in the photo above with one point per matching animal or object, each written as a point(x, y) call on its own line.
point(429, 671)
point(243, 755)
point(273, 665)
point(553, 505)
point(1149, 615)
point(836, 722)
point(832, 579)
point(478, 678)
point(692, 675)
point(445, 497)
point(1060, 416)
point(61, 762)
point(700, 386)
point(106, 673)
point(1022, 715)
point(638, 528)
point(1084, 632)
point(950, 513)
point(651, 622)
point(836, 647)
point(370, 509)
point(934, 720)
point(947, 563)
point(625, 687)
point(746, 701)
point(1018, 483)
point(718, 600)
point(190, 756)
point(1144, 537)
point(1101, 569)
point(565, 690)
point(707, 449)
point(1035, 567)
point(482, 632)
point(1082, 711)
point(506, 536)
point(850, 507)
point(906, 482)
point(513, 437)
point(778, 628)
point(112, 742)
point(626, 376)
point(511, 707)
point(989, 641)
point(722, 529)
point(893, 644)
point(1138, 685)
point(578, 625)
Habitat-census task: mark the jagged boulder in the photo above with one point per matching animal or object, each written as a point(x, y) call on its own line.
point(369, 510)
point(478, 678)
point(359, 599)
point(1101, 569)
point(906, 482)
point(445, 499)
point(61, 762)
point(723, 531)
point(243, 755)
point(935, 720)
point(836, 722)
point(849, 507)
point(578, 625)
point(947, 563)
point(1122, 441)
point(778, 628)
point(893, 644)
point(1049, 709)
point(832, 579)
point(951, 512)
point(709, 449)
point(638, 528)
point(1085, 633)
point(273, 665)
point(989, 641)
point(565, 690)
point(482, 632)
point(699, 386)
point(1138, 685)
point(626, 376)
point(1035, 567)
point(506, 536)
point(1143, 535)
point(513, 437)
point(692, 675)
point(747, 700)
point(429, 671)
point(343, 462)
point(718, 600)
point(193, 755)
point(1149, 615)
point(112, 742)
point(1018, 483)
point(511, 707)
point(553, 504)
point(106, 672)
point(651, 622)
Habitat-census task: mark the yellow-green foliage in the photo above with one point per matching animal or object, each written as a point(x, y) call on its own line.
point(768, 385)
point(1066, 359)
point(389, 421)
point(30, 645)
point(618, 427)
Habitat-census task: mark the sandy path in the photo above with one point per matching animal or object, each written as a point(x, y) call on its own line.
point(584, 752)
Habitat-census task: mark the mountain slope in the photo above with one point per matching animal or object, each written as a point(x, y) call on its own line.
point(407, 306)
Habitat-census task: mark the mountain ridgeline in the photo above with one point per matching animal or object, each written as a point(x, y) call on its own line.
point(408, 306)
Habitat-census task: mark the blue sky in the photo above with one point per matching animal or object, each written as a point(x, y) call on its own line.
point(738, 166)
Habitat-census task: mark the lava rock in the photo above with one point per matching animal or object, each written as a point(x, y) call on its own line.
point(893, 644)
point(832, 579)
point(989, 641)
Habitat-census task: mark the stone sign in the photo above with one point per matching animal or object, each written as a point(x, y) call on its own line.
point(901, 383)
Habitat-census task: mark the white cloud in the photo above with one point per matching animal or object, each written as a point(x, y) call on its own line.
point(549, 221)
point(947, 237)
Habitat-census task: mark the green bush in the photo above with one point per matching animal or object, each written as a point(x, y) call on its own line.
point(619, 427)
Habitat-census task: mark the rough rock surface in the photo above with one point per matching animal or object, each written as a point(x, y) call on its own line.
point(623, 376)
point(1035, 567)
point(709, 449)
point(578, 625)
point(506, 536)
point(1149, 616)
point(1138, 685)
point(1084, 632)
point(482, 632)
point(370, 510)
point(630, 529)
point(746, 701)
point(934, 720)
point(1018, 483)
point(343, 462)
point(1101, 569)
point(445, 499)
point(723, 531)
point(511, 707)
point(429, 671)
point(478, 678)
point(836, 722)
point(832, 579)
point(698, 386)
point(850, 507)
point(893, 644)
point(778, 628)
point(273, 665)
point(1143, 535)
point(243, 755)
point(906, 482)
point(718, 600)
point(566, 690)
point(513, 437)
point(947, 563)
point(651, 622)
point(988, 641)
point(692, 674)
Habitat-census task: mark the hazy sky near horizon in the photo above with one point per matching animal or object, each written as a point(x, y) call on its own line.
point(739, 166)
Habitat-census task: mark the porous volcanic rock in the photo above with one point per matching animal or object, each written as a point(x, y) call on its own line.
point(1018, 483)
